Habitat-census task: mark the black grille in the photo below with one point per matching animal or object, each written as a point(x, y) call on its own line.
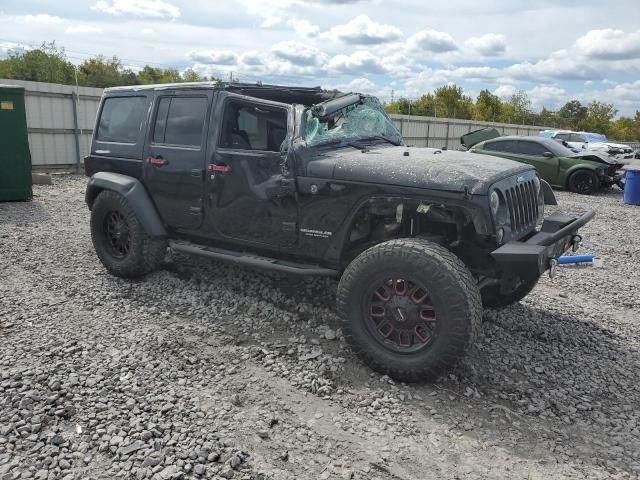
point(522, 202)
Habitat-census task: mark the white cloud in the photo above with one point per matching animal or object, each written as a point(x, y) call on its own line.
point(83, 29)
point(271, 21)
point(360, 85)
point(304, 28)
point(550, 96)
point(299, 53)
point(358, 62)
point(361, 30)
point(432, 41)
point(41, 18)
point(213, 57)
point(505, 91)
point(251, 58)
point(488, 45)
point(138, 8)
point(609, 44)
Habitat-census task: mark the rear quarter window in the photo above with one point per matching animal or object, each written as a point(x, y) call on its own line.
point(121, 119)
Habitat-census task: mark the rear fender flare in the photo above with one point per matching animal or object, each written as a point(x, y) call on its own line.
point(136, 195)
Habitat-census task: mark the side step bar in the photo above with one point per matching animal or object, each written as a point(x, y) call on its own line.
point(252, 260)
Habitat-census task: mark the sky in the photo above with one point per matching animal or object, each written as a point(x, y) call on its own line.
point(553, 50)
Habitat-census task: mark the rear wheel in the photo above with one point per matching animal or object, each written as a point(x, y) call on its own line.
point(492, 298)
point(410, 308)
point(119, 239)
point(584, 182)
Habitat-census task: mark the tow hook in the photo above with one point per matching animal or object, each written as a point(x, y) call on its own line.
point(553, 267)
point(576, 242)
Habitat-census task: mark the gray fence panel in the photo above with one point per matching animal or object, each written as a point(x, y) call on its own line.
point(446, 132)
point(52, 126)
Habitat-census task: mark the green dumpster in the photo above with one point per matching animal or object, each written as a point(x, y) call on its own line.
point(15, 158)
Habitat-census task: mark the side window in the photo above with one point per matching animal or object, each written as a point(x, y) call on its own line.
point(574, 137)
point(494, 146)
point(529, 148)
point(180, 121)
point(253, 127)
point(562, 136)
point(121, 119)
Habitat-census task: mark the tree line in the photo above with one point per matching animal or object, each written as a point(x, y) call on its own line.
point(450, 101)
point(49, 63)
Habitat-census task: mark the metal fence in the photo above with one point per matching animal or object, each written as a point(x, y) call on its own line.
point(60, 121)
point(439, 132)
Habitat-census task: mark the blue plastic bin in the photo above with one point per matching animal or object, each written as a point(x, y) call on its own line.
point(632, 187)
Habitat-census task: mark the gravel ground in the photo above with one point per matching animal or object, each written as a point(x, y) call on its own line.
point(206, 370)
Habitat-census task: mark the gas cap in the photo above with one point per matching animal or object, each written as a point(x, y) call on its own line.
point(314, 189)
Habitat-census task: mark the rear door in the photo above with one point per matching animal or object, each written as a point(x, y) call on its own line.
point(175, 155)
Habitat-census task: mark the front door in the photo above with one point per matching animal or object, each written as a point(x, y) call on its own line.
point(536, 154)
point(175, 156)
point(253, 197)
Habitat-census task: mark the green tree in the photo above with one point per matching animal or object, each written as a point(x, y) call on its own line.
point(190, 75)
point(488, 106)
point(599, 115)
point(45, 64)
point(518, 108)
point(546, 118)
point(451, 102)
point(571, 114)
point(424, 106)
point(101, 72)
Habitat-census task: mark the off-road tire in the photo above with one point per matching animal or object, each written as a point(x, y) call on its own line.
point(452, 290)
point(492, 298)
point(576, 179)
point(145, 253)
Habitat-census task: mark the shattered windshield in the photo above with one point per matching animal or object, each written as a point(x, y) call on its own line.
point(360, 121)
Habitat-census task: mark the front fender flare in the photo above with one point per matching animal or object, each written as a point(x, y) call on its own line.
point(549, 196)
point(136, 195)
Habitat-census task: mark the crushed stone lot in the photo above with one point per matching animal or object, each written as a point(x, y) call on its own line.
point(208, 370)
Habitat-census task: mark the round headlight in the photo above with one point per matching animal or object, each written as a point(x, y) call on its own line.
point(494, 200)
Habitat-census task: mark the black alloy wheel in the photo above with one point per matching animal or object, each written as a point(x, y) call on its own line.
point(401, 316)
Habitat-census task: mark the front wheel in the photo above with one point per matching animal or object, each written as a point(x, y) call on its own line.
point(119, 239)
point(410, 308)
point(584, 182)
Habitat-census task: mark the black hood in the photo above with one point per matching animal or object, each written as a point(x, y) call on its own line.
point(421, 168)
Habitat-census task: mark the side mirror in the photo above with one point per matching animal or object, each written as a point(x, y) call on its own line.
point(547, 155)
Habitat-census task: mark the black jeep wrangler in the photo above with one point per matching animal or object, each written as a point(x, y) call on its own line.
point(310, 182)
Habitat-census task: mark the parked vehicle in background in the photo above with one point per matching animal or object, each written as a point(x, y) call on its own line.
point(309, 182)
point(585, 172)
point(589, 141)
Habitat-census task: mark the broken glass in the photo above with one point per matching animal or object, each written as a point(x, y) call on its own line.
point(359, 121)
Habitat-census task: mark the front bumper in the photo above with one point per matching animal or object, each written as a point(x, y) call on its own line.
point(530, 258)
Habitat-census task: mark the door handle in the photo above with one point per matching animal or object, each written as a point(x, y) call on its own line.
point(221, 168)
point(156, 161)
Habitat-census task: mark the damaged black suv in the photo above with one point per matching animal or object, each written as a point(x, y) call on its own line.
point(310, 182)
